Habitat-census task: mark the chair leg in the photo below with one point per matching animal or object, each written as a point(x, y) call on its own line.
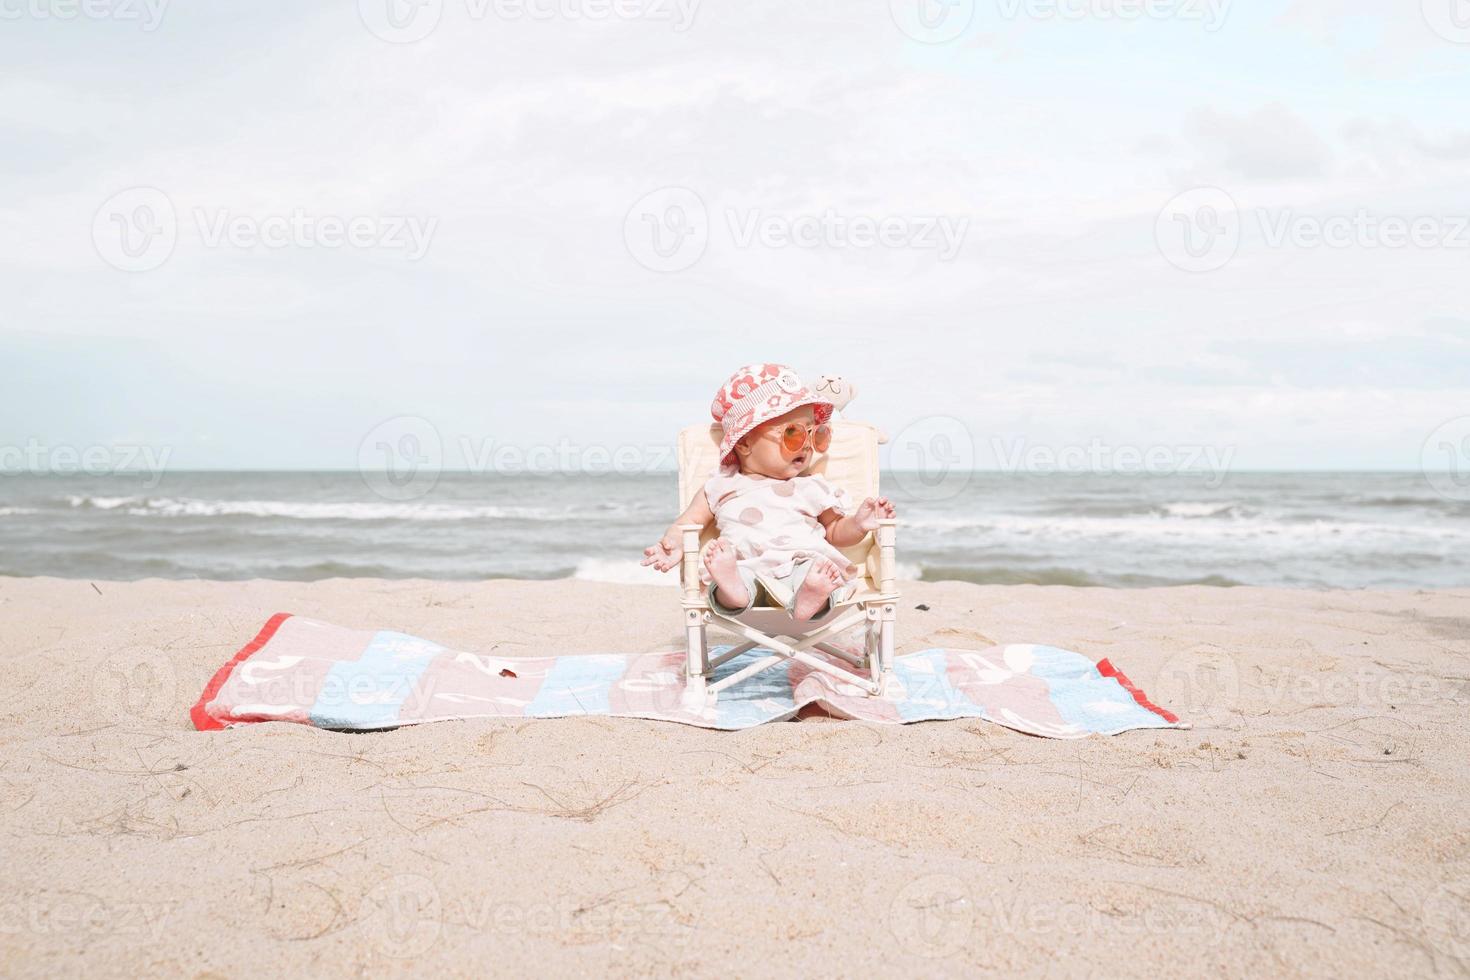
point(885, 643)
point(872, 644)
point(697, 650)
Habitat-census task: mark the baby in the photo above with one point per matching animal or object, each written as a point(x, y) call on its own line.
point(779, 529)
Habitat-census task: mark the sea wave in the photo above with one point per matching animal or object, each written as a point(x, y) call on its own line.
point(317, 510)
point(1161, 527)
point(17, 511)
point(1202, 509)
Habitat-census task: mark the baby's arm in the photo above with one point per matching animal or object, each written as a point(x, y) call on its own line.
point(669, 550)
point(844, 532)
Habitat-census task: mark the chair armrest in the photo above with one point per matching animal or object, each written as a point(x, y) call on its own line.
point(689, 562)
point(887, 535)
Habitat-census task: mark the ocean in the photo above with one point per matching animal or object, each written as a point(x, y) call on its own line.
point(1316, 530)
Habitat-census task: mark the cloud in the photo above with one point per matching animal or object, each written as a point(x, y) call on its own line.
point(1272, 143)
point(529, 142)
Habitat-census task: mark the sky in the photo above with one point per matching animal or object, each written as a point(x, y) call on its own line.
point(271, 234)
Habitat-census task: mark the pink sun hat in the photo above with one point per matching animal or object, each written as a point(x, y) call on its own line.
point(758, 393)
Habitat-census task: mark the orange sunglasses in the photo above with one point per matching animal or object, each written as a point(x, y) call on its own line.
point(794, 438)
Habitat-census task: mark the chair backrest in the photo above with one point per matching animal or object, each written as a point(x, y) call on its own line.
point(850, 462)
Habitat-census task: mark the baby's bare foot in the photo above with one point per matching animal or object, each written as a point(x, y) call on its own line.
point(822, 579)
point(719, 558)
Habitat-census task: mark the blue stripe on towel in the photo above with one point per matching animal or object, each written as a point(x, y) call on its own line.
point(369, 692)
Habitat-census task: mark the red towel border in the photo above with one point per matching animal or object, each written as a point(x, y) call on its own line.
point(1106, 668)
point(197, 714)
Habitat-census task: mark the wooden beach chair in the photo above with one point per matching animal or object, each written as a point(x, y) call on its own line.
point(851, 462)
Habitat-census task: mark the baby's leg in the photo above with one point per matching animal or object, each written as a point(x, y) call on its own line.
point(814, 594)
point(731, 588)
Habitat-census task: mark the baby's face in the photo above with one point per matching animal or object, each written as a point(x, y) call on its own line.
point(759, 453)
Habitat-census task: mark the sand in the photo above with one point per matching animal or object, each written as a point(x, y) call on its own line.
point(1314, 822)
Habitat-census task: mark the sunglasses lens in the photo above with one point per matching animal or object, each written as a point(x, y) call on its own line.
point(821, 438)
point(793, 437)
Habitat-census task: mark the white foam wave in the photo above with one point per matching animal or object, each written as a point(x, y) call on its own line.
point(1192, 509)
point(1158, 527)
point(17, 511)
point(101, 503)
point(314, 510)
point(624, 571)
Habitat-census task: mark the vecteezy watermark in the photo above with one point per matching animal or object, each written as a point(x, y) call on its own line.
point(402, 917)
point(1209, 13)
point(80, 915)
point(407, 21)
point(932, 917)
point(135, 684)
point(568, 920)
point(830, 230)
point(1201, 685)
point(1202, 923)
point(36, 457)
point(403, 457)
point(933, 458)
point(668, 230)
point(1201, 230)
point(408, 233)
point(940, 21)
point(932, 21)
point(1097, 456)
point(1445, 459)
point(137, 230)
point(1450, 19)
point(148, 14)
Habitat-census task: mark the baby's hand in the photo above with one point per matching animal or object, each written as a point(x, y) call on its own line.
point(664, 555)
point(871, 510)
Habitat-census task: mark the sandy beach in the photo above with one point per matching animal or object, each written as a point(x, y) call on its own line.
point(1314, 822)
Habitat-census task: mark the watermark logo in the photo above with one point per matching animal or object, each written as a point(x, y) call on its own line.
point(1199, 684)
point(148, 14)
point(400, 21)
point(136, 684)
point(403, 916)
point(1199, 230)
point(136, 230)
point(401, 458)
point(932, 21)
point(667, 230)
point(1445, 459)
point(1450, 19)
point(933, 916)
point(933, 458)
